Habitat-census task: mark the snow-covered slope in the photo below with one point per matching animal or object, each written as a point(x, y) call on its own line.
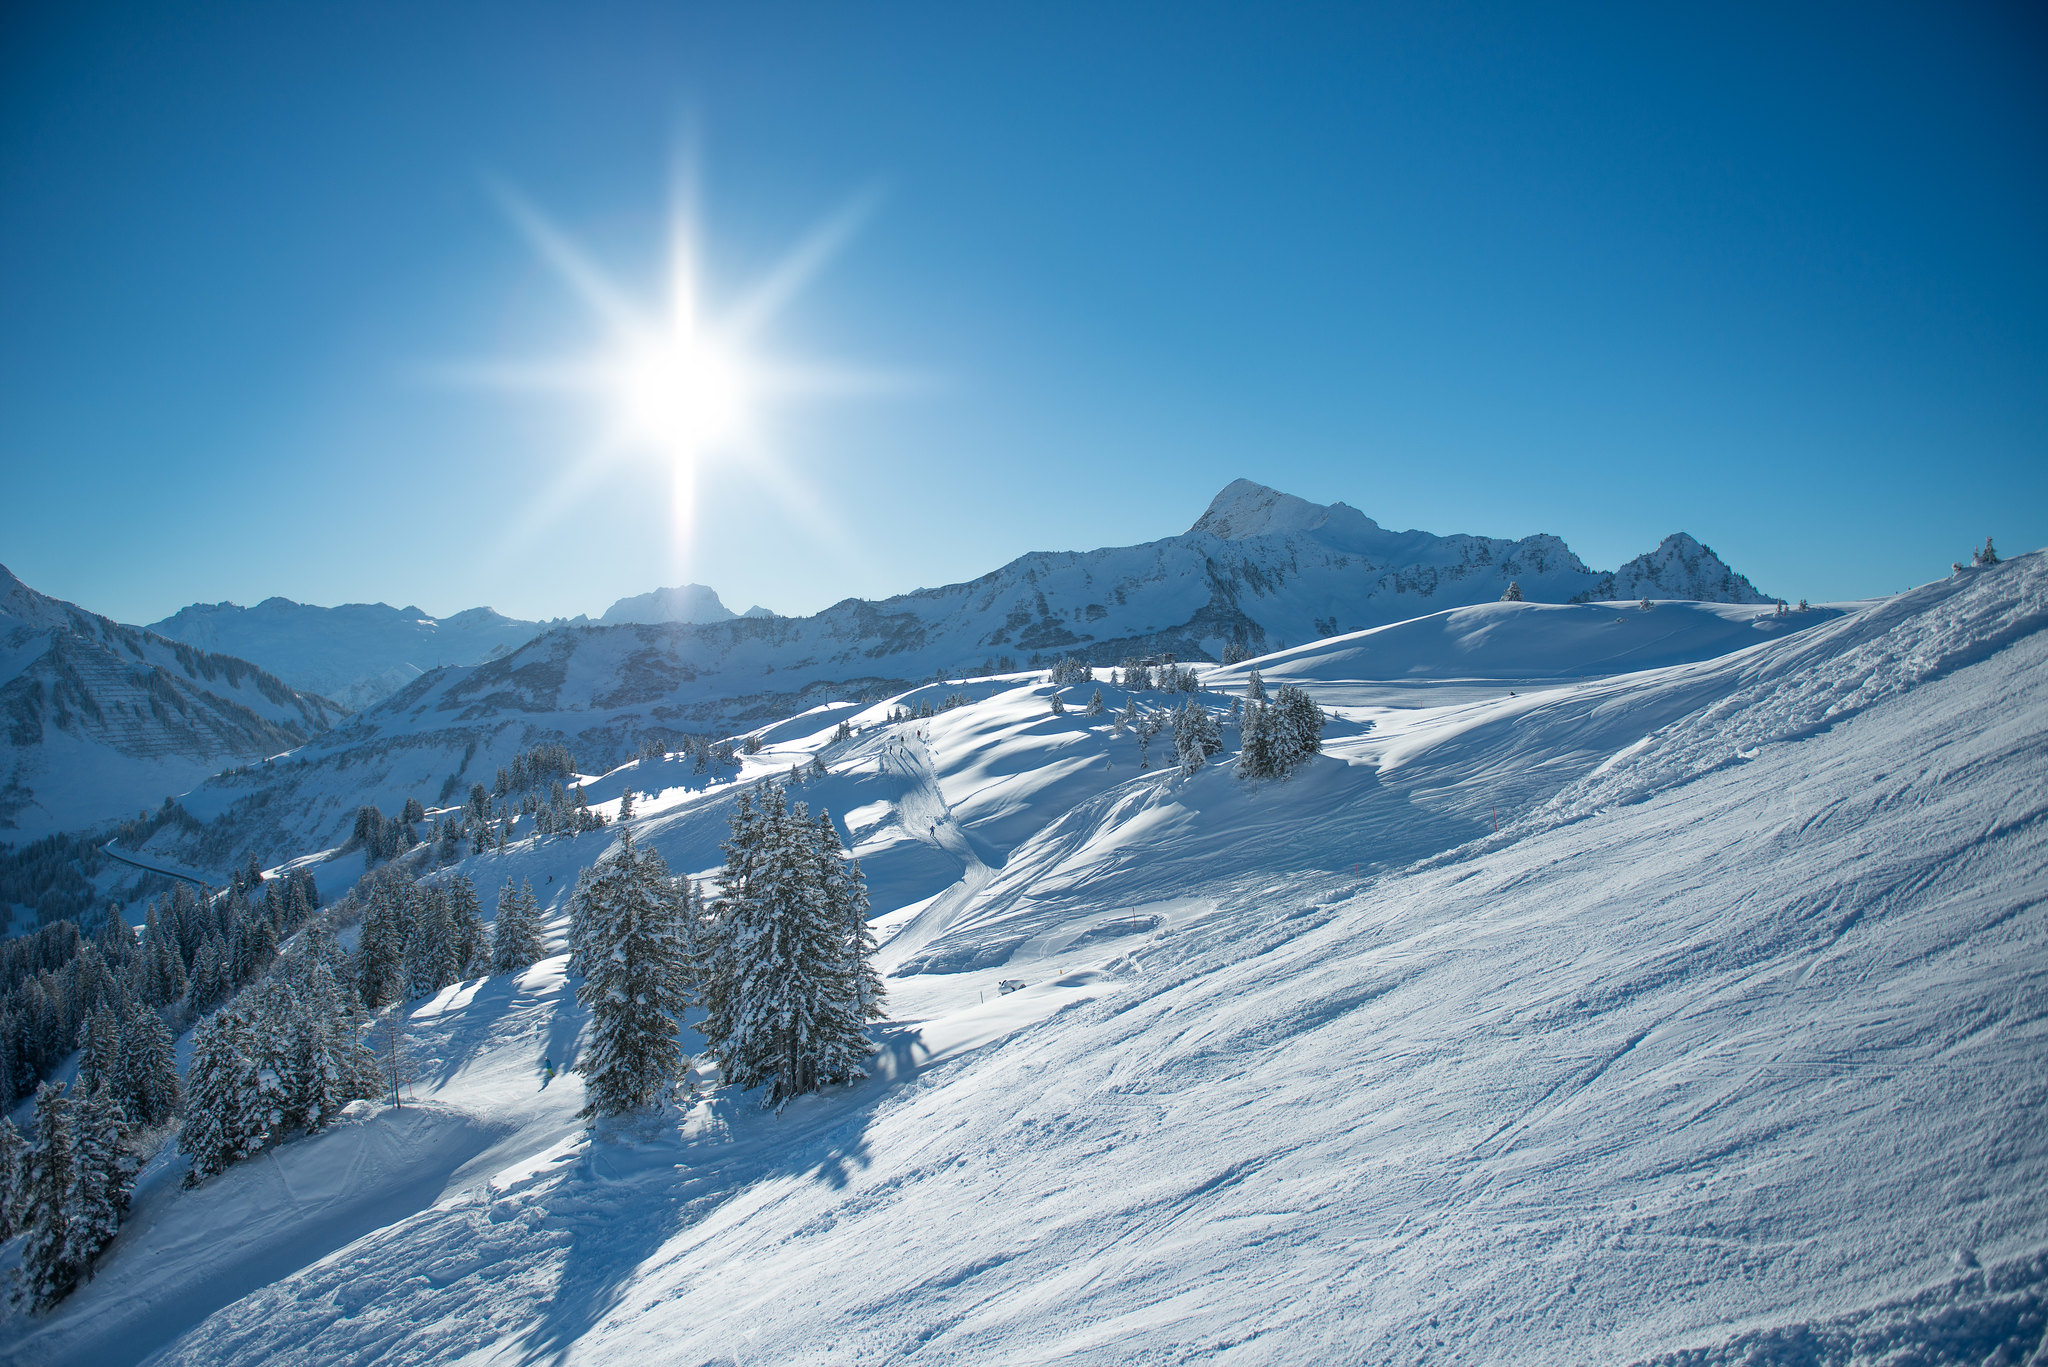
point(355, 653)
point(1727, 1041)
point(103, 719)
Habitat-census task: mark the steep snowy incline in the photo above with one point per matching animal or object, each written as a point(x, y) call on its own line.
point(1734, 1054)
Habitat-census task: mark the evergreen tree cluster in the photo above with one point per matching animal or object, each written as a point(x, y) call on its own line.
point(417, 939)
point(1195, 735)
point(193, 953)
point(1280, 734)
point(782, 961)
point(67, 1192)
point(283, 1057)
point(926, 708)
point(1072, 669)
point(785, 957)
point(518, 934)
point(1155, 672)
point(537, 768)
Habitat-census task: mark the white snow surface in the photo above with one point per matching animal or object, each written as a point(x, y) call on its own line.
point(1727, 1042)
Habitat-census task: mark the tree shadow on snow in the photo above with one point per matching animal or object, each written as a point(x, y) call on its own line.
point(637, 1189)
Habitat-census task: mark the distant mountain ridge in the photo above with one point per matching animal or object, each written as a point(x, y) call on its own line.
point(1259, 570)
point(360, 653)
point(103, 719)
point(356, 653)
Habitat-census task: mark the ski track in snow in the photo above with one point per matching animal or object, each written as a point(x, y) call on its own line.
point(1727, 1048)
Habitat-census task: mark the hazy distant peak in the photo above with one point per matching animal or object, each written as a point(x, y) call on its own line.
point(758, 611)
point(684, 603)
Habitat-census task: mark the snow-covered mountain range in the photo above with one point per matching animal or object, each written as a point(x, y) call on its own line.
point(355, 653)
point(103, 719)
point(1260, 569)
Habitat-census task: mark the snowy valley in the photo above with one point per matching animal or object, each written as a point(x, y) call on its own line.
point(1635, 973)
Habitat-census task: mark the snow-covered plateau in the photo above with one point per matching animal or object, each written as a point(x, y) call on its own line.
point(1621, 983)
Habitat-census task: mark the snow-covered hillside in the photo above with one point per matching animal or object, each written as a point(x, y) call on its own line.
point(356, 653)
point(102, 719)
point(1693, 1006)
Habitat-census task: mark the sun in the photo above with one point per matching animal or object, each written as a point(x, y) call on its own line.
point(685, 396)
point(679, 383)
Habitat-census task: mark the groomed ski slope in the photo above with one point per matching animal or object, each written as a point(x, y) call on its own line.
point(1728, 1043)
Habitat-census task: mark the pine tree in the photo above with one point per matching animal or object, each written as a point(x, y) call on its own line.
point(221, 1089)
point(1254, 687)
point(471, 943)
point(1095, 704)
point(149, 1068)
point(105, 1179)
point(517, 938)
point(789, 1000)
point(209, 975)
point(846, 900)
point(13, 1154)
point(626, 804)
point(1514, 592)
point(1195, 736)
point(48, 1267)
point(430, 947)
point(99, 1050)
point(630, 950)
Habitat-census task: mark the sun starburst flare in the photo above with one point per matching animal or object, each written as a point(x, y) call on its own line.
point(677, 384)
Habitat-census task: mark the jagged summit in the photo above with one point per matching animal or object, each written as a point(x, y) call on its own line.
point(1246, 508)
point(693, 603)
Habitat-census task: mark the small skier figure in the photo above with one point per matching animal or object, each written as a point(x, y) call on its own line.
point(548, 1074)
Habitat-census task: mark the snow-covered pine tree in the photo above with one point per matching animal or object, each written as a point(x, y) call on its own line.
point(430, 948)
point(99, 1050)
point(13, 1154)
point(223, 1093)
point(626, 804)
point(149, 1068)
point(1254, 687)
point(1195, 736)
point(212, 1087)
point(1513, 593)
point(792, 1022)
point(208, 982)
point(630, 948)
point(846, 899)
point(50, 1179)
point(106, 1177)
point(517, 939)
point(470, 941)
point(715, 968)
point(1095, 704)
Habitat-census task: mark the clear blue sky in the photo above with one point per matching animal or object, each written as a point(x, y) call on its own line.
point(1774, 275)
